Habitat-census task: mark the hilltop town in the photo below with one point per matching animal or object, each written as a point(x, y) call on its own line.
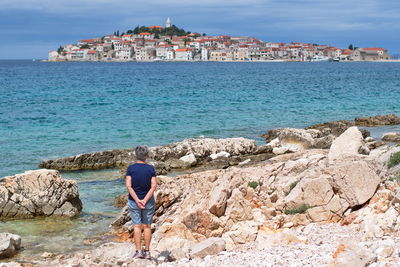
point(170, 43)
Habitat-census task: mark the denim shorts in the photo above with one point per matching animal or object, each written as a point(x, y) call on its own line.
point(142, 216)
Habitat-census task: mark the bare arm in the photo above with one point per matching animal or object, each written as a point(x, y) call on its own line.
point(128, 184)
point(151, 191)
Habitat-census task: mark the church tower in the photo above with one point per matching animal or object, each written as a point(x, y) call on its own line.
point(168, 23)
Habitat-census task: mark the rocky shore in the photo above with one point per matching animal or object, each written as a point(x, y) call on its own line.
point(38, 193)
point(327, 195)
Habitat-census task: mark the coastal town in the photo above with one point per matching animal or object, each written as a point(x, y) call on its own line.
point(169, 43)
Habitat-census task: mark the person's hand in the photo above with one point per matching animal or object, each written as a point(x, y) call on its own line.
point(143, 201)
point(140, 204)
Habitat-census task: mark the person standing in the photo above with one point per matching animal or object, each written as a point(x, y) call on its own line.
point(141, 183)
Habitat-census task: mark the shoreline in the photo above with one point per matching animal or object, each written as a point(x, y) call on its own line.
point(228, 61)
point(207, 168)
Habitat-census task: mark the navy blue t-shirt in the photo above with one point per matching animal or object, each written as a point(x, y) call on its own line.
point(141, 175)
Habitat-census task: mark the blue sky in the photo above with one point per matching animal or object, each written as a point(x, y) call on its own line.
point(30, 28)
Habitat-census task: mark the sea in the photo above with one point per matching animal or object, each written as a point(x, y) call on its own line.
point(50, 110)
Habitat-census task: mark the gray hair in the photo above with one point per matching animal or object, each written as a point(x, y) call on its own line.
point(142, 152)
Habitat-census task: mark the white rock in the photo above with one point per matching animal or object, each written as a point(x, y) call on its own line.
point(274, 143)
point(244, 162)
point(189, 159)
point(209, 246)
point(280, 150)
point(222, 154)
point(348, 143)
point(9, 244)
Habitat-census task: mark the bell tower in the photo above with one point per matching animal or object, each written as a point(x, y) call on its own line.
point(168, 23)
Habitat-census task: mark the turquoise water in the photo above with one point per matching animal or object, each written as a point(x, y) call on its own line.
point(50, 110)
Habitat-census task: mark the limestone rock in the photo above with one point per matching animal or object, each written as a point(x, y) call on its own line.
point(209, 246)
point(280, 150)
point(335, 127)
point(389, 119)
point(299, 137)
point(238, 208)
point(38, 193)
point(189, 160)
point(391, 137)
point(9, 245)
point(241, 233)
point(160, 156)
point(352, 255)
point(354, 180)
point(222, 154)
point(348, 143)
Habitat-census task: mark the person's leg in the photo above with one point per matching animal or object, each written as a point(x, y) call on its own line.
point(147, 236)
point(147, 220)
point(137, 236)
point(135, 213)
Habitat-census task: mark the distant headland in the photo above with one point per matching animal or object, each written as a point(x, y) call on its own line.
point(170, 43)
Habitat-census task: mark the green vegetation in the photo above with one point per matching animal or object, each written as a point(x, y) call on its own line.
point(395, 178)
point(394, 160)
point(271, 190)
point(60, 49)
point(253, 184)
point(293, 185)
point(85, 46)
point(300, 209)
point(173, 30)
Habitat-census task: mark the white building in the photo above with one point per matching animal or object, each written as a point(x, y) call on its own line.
point(204, 54)
point(124, 54)
point(184, 54)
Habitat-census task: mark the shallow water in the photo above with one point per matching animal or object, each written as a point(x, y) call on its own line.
point(50, 110)
point(97, 190)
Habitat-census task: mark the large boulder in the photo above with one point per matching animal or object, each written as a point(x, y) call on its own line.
point(351, 142)
point(38, 193)
point(9, 245)
point(355, 179)
point(210, 246)
point(391, 137)
point(389, 119)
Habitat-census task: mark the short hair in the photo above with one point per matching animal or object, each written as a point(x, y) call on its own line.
point(141, 152)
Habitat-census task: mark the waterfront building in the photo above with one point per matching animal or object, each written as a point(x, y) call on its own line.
point(184, 54)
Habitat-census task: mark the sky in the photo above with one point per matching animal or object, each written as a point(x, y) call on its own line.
point(31, 28)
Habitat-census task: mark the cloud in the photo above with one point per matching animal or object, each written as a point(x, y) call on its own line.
point(336, 22)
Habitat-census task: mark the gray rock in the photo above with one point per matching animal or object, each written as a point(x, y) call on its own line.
point(38, 193)
point(391, 137)
point(170, 154)
point(209, 246)
point(9, 245)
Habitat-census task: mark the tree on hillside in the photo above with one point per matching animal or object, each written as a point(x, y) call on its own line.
point(351, 47)
point(85, 46)
point(60, 49)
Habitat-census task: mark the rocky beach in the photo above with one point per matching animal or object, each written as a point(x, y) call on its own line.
point(325, 195)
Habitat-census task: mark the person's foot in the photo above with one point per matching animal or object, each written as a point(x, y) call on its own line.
point(138, 255)
point(146, 254)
